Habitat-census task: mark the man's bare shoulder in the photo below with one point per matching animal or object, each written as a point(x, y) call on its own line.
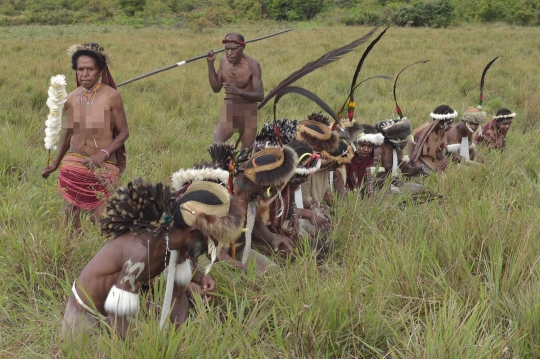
point(252, 62)
point(128, 245)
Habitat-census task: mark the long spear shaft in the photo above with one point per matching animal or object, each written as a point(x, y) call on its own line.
point(194, 59)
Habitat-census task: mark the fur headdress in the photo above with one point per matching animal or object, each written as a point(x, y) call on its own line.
point(369, 135)
point(199, 173)
point(341, 155)
point(395, 129)
point(504, 114)
point(318, 135)
point(138, 208)
point(473, 115)
point(304, 152)
point(223, 222)
point(271, 166)
point(93, 50)
point(349, 132)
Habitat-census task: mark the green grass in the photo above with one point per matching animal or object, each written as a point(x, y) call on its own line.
point(457, 278)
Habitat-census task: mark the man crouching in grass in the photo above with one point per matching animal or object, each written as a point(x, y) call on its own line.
point(152, 231)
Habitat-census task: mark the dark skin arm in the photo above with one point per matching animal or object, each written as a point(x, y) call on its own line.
point(65, 141)
point(276, 241)
point(216, 79)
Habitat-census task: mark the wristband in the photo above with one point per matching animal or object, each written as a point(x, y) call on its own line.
point(105, 151)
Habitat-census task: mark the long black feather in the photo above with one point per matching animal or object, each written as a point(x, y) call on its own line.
point(359, 66)
point(398, 109)
point(310, 95)
point(482, 82)
point(358, 85)
point(324, 60)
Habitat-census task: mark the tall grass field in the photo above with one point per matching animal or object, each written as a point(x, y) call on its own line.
point(454, 278)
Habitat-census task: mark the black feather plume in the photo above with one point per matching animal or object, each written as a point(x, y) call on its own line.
point(358, 68)
point(310, 95)
point(482, 82)
point(324, 60)
point(398, 109)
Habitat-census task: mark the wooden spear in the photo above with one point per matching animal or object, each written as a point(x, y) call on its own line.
point(194, 59)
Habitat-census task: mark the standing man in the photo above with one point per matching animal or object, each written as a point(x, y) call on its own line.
point(91, 154)
point(241, 77)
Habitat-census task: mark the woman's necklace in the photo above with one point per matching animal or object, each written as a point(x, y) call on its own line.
point(92, 91)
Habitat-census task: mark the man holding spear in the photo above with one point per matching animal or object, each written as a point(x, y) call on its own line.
point(241, 77)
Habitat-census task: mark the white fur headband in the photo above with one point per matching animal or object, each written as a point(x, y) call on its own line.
point(181, 177)
point(512, 115)
point(448, 116)
point(375, 138)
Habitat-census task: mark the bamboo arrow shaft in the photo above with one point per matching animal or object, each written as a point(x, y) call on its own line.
point(194, 59)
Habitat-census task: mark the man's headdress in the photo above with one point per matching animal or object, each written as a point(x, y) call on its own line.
point(349, 131)
point(202, 172)
point(504, 114)
point(341, 155)
point(286, 129)
point(138, 208)
point(443, 113)
point(473, 115)
point(271, 166)
point(369, 135)
point(395, 129)
point(304, 152)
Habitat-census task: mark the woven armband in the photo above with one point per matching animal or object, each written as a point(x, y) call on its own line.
point(121, 302)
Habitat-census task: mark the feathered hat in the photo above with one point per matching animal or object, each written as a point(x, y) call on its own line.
point(138, 208)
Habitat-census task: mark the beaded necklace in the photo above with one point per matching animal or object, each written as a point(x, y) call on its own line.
point(93, 91)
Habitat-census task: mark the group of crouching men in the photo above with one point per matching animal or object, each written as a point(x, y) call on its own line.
point(244, 207)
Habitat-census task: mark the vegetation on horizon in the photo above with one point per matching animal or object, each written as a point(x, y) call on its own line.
point(211, 13)
point(457, 278)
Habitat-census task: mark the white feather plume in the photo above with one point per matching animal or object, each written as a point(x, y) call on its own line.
point(55, 102)
point(181, 177)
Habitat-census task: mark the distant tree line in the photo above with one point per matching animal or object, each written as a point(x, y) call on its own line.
point(433, 13)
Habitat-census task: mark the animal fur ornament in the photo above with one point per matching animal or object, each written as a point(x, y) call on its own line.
point(184, 176)
point(55, 102)
point(138, 208)
point(271, 166)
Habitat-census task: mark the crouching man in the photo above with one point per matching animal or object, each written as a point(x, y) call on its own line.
point(151, 232)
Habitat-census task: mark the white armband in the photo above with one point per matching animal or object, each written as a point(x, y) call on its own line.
point(184, 273)
point(121, 302)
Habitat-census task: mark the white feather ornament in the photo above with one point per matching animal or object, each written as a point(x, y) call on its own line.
point(55, 102)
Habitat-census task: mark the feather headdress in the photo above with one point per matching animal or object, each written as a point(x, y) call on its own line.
point(482, 79)
point(93, 48)
point(55, 103)
point(350, 97)
point(138, 208)
point(324, 60)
